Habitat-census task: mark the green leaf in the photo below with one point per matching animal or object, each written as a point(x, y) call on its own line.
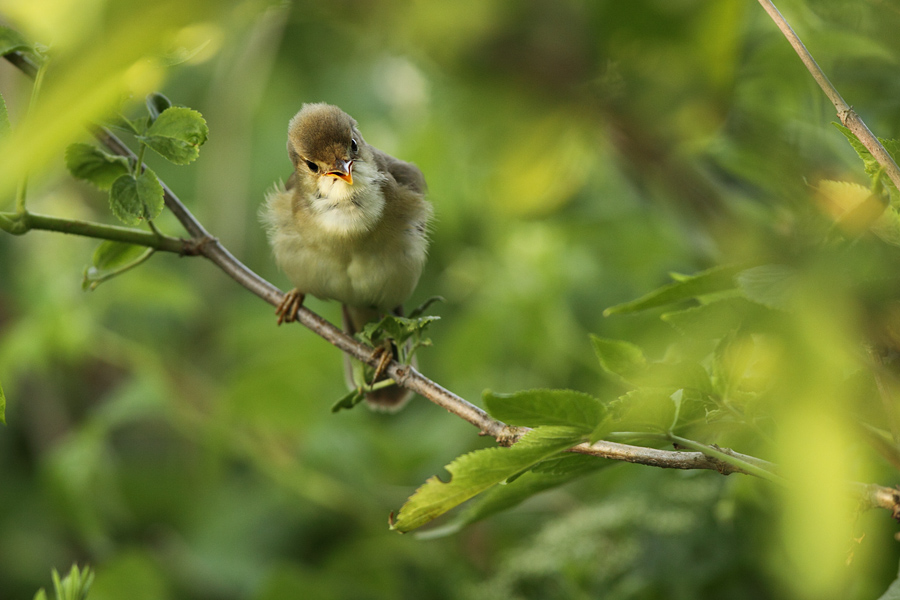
point(2, 406)
point(75, 585)
point(893, 592)
point(543, 476)
point(135, 198)
point(5, 127)
point(13, 41)
point(90, 163)
point(714, 320)
point(123, 123)
point(477, 471)
point(40, 595)
point(769, 285)
point(177, 134)
point(646, 409)
point(871, 165)
point(623, 360)
point(156, 104)
point(546, 407)
point(711, 281)
point(398, 329)
point(111, 259)
point(348, 401)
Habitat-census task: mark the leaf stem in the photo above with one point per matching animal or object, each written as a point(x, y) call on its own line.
point(730, 459)
point(126, 267)
point(22, 188)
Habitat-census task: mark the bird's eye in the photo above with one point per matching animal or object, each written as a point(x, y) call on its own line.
point(312, 166)
point(354, 147)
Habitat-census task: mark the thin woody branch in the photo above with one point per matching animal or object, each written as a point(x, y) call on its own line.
point(845, 112)
point(203, 243)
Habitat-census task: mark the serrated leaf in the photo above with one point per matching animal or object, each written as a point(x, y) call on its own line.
point(135, 198)
point(711, 281)
point(177, 134)
point(477, 471)
point(769, 285)
point(533, 408)
point(90, 163)
point(623, 360)
point(398, 329)
point(2, 406)
point(156, 104)
point(5, 127)
point(13, 41)
point(545, 475)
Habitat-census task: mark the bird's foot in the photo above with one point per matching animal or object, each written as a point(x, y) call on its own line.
point(384, 354)
point(289, 307)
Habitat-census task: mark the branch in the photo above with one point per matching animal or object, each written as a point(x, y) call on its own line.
point(203, 243)
point(845, 112)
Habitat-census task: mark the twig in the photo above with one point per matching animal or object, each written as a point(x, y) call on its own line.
point(845, 112)
point(203, 243)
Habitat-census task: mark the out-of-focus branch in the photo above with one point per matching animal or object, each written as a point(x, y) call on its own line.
point(845, 112)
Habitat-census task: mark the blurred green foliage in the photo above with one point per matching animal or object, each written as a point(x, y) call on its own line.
point(163, 430)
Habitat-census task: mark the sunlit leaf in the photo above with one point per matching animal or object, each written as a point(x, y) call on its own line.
point(2, 405)
point(135, 198)
point(546, 407)
point(90, 163)
point(5, 127)
point(871, 165)
point(711, 281)
point(477, 471)
point(177, 134)
point(769, 285)
point(623, 360)
point(543, 476)
point(13, 41)
point(713, 320)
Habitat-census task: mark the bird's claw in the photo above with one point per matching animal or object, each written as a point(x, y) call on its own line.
point(289, 306)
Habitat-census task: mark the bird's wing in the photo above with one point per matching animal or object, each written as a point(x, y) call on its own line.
point(406, 174)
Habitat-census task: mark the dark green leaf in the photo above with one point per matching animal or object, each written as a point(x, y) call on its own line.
point(90, 163)
point(477, 471)
point(177, 134)
point(348, 401)
point(12, 41)
point(769, 285)
point(135, 126)
point(156, 104)
point(398, 329)
point(893, 592)
point(543, 476)
point(112, 258)
point(711, 281)
point(546, 407)
point(135, 198)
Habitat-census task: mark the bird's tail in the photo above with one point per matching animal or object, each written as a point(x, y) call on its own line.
point(388, 399)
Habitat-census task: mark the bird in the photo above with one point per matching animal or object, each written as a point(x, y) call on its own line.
point(351, 224)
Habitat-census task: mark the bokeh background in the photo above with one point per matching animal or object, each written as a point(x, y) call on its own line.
point(162, 428)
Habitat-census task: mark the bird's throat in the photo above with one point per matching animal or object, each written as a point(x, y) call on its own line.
point(347, 210)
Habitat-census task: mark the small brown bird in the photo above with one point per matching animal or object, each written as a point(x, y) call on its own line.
point(350, 225)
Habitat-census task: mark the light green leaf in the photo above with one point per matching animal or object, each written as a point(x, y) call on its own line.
point(477, 471)
point(5, 127)
point(75, 585)
point(769, 285)
point(711, 281)
point(177, 134)
point(111, 259)
point(545, 475)
point(623, 360)
point(871, 165)
point(40, 595)
point(2, 406)
point(348, 401)
point(135, 198)
point(90, 163)
point(13, 41)
point(714, 320)
point(546, 407)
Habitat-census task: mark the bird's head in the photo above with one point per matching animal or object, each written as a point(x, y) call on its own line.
point(324, 141)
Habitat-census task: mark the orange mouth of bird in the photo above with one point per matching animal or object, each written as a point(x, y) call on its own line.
point(344, 172)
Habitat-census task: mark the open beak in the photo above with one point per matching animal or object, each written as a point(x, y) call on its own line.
point(342, 170)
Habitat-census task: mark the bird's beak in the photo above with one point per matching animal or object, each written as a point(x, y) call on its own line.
point(342, 170)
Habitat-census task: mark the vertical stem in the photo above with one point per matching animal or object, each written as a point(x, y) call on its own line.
point(22, 189)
